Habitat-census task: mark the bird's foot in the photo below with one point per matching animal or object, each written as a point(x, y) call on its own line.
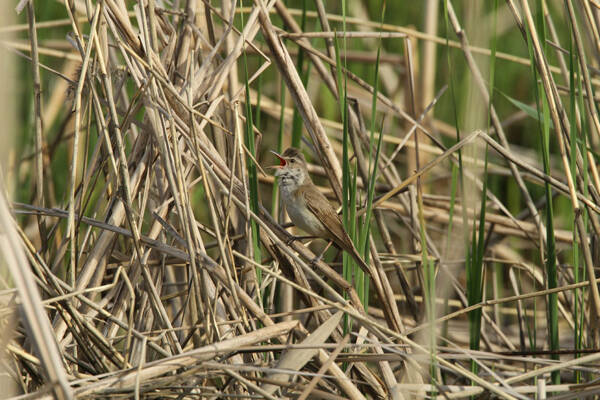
point(293, 238)
point(317, 259)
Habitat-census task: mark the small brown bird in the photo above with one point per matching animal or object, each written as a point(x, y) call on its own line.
point(307, 207)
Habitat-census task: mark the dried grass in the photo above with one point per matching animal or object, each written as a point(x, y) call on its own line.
point(133, 274)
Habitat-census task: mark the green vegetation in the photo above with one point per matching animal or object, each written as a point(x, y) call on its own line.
point(458, 140)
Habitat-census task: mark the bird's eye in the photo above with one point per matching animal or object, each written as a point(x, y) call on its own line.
point(292, 160)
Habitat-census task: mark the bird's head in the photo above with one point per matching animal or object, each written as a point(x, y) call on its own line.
point(292, 166)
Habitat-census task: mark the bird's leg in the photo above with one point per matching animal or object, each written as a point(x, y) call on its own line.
point(320, 256)
point(293, 238)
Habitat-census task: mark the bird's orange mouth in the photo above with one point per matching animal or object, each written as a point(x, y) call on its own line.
point(282, 162)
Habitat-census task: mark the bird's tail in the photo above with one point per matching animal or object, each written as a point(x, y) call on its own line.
point(347, 245)
point(361, 263)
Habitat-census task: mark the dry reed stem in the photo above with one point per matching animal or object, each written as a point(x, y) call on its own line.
point(145, 267)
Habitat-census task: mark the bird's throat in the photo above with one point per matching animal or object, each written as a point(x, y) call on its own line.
point(290, 180)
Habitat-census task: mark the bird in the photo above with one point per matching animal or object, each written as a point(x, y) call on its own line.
point(307, 207)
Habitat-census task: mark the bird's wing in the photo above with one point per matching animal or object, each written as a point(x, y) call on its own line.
point(318, 204)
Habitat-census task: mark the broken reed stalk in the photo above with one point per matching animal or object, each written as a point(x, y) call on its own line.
point(134, 211)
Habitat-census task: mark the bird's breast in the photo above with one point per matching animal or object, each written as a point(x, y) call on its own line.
point(301, 215)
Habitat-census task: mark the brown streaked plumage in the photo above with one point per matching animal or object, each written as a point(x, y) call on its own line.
point(307, 207)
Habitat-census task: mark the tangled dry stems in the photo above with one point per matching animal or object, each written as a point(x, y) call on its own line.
point(149, 284)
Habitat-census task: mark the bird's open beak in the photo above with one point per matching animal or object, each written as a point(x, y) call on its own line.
point(282, 162)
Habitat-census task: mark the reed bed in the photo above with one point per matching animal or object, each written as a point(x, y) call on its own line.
point(146, 252)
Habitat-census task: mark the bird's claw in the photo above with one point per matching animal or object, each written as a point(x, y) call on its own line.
point(317, 259)
point(290, 240)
